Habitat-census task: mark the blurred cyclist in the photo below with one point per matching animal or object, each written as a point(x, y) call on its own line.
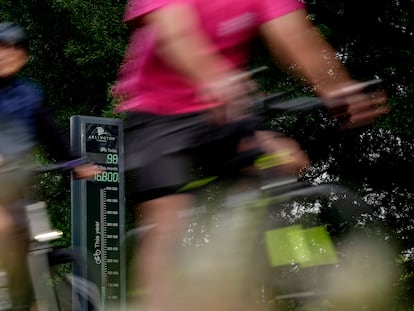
point(24, 122)
point(185, 94)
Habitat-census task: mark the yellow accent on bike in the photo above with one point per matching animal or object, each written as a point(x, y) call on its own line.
point(272, 160)
point(197, 183)
point(296, 245)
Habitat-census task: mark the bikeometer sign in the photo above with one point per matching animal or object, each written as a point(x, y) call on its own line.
point(98, 206)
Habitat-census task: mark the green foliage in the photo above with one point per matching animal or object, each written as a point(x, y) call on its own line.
point(77, 47)
point(375, 39)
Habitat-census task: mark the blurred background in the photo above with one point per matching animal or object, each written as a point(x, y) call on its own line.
point(77, 47)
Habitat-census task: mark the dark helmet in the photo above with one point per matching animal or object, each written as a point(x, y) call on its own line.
point(11, 33)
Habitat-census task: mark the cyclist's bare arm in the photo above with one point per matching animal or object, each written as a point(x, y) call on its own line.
point(299, 46)
point(184, 46)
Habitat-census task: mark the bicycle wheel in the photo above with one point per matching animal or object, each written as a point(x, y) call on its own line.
point(71, 292)
point(325, 248)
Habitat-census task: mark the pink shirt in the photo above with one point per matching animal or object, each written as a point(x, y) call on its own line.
point(147, 84)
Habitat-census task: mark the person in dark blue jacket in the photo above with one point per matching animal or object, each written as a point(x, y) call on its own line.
point(24, 123)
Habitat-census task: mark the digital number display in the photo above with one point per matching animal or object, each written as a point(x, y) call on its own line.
point(107, 177)
point(111, 158)
point(109, 167)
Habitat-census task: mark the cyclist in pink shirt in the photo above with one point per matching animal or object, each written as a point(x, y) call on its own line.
point(151, 82)
point(184, 92)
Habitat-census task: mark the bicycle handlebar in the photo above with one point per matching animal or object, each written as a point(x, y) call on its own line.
point(62, 166)
point(277, 103)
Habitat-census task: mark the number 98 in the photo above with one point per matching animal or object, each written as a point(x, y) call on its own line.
point(111, 158)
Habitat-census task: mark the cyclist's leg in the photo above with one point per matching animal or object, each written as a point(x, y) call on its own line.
point(228, 269)
point(281, 154)
point(217, 272)
point(156, 254)
point(13, 254)
point(156, 158)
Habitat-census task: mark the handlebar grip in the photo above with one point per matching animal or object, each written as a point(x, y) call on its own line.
point(277, 104)
point(353, 88)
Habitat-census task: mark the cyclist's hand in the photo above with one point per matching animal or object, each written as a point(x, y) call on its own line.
point(86, 171)
point(355, 107)
point(231, 94)
point(228, 112)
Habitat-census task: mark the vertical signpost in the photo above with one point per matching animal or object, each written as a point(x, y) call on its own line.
point(98, 210)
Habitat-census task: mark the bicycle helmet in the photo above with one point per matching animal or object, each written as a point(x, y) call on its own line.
point(14, 34)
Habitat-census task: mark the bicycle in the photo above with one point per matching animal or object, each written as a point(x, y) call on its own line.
point(52, 287)
point(251, 221)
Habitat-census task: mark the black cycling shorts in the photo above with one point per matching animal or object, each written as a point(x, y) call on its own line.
point(163, 153)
